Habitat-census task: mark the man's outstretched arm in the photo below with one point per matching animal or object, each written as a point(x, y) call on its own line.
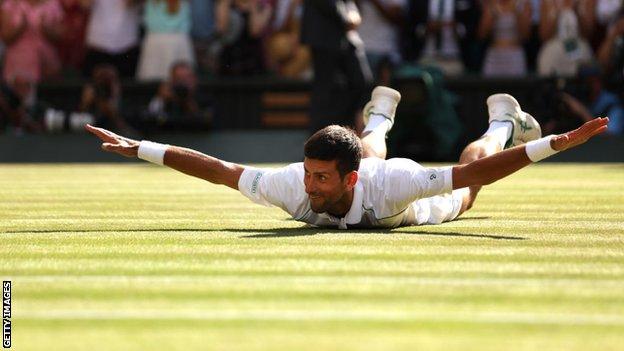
point(499, 165)
point(181, 159)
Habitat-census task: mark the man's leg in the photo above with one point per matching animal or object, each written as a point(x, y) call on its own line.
point(509, 126)
point(491, 142)
point(374, 143)
point(378, 116)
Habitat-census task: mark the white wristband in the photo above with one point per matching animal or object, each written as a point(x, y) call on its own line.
point(152, 152)
point(539, 149)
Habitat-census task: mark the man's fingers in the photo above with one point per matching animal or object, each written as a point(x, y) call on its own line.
point(101, 133)
point(598, 130)
point(93, 129)
point(119, 149)
point(596, 123)
point(596, 127)
point(589, 129)
point(107, 135)
point(582, 134)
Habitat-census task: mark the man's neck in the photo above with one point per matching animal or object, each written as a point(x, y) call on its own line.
point(343, 206)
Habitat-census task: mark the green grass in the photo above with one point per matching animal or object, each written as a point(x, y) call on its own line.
point(137, 257)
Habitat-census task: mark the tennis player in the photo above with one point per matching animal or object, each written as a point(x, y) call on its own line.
point(345, 181)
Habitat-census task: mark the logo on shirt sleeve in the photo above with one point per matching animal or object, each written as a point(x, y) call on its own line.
point(254, 184)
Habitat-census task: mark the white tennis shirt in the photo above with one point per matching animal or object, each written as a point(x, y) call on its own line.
point(385, 195)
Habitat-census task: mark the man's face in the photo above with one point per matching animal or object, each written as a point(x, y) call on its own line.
point(324, 185)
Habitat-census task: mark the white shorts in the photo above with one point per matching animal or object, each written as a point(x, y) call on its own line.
point(439, 209)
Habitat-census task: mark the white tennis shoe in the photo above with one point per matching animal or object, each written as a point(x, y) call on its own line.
point(504, 107)
point(384, 102)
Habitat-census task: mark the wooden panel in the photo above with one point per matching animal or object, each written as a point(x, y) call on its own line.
point(285, 119)
point(273, 99)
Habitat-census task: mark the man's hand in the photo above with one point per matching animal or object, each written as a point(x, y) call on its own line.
point(580, 135)
point(115, 143)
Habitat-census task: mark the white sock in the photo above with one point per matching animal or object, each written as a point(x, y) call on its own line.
point(378, 123)
point(500, 131)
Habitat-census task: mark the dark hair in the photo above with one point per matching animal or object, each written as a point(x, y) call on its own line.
point(335, 143)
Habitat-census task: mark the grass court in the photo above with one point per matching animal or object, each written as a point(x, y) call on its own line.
point(139, 257)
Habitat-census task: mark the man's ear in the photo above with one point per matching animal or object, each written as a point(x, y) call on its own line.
point(351, 178)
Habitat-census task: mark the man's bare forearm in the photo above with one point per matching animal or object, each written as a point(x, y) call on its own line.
point(202, 166)
point(187, 161)
point(489, 169)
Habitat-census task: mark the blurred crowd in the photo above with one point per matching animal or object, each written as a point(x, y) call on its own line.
point(178, 42)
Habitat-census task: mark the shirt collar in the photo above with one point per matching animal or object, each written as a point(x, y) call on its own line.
point(354, 216)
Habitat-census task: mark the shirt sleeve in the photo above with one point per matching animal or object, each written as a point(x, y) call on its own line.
point(281, 187)
point(407, 181)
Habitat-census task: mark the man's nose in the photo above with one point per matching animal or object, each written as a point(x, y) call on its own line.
point(310, 187)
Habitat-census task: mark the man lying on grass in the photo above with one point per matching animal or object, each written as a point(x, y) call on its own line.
point(345, 181)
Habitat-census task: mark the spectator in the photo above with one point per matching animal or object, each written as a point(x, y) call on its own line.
point(341, 70)
point(177, 104)
point(563, 54)
point(533, 43)
point(242, 25)
point(590, 101)
point(447, 30)
point(71, 46)
point(611, 54)
point(551, 11)
point(285, 53)
point(203, 33)
point(113, 36)
point(20, 110)
point(101, 98)
point(168, 25)
point(29, 27)
point(1, 41)
point(380, 29)
point(607, 13)
point(7, 104)
point(508, 24)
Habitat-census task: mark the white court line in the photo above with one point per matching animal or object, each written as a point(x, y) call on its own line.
point(331, 315)
point(362, 279)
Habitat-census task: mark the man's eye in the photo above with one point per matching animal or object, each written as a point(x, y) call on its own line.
point(323, 178)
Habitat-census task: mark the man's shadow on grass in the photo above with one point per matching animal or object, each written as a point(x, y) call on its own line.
point(289, 232)
point(309, 231)
point(421, 230)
